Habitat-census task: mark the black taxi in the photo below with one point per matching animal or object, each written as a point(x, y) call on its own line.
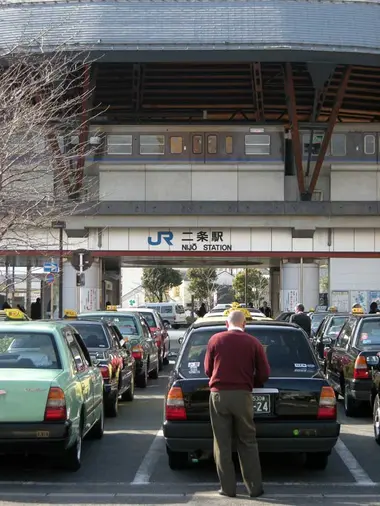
point(295, 411)
point(353, 360)
point(327, 333)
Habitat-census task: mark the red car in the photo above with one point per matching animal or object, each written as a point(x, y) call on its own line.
point(158, 330)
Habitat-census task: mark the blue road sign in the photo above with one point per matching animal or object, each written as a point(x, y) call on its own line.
point(50, 278)
point(50, 267)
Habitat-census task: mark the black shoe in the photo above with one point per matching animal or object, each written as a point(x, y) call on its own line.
point(257, 494)
point(220, 492)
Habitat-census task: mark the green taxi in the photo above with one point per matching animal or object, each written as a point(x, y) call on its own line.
point(51, 394)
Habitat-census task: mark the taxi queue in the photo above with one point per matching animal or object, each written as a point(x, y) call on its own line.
point(59, 408)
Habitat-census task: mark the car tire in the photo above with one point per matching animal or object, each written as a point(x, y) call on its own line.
point(317, 461)
point(175, 326)
point(112, 406)
point(154, 374)
point(350, 405)
point(160, 363)
point(142, 378)
point(97, 430)
point(177, 460)
point(376, 419)
point(129, 394)
point(72, 459)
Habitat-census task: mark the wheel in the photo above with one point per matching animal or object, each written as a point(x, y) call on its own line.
point(129, 394)
point(72, 459)
point(97, 430)
point(376, 419)
point(350, 405)
point(177, 460)
point(142, 378)
point(112, 406)
point(317, 460)
point(160, 363)
point(154, 374)
point(175, 326)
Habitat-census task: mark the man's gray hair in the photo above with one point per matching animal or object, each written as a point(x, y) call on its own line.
point(236, 318)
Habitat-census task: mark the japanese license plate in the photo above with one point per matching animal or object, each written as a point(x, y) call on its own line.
point(261, 404)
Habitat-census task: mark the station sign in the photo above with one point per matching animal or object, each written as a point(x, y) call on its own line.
point(199, 240)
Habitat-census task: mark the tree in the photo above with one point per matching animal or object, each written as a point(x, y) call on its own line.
point(158, 280)
point(257, 284)
point(44, 140)
point(203, 284)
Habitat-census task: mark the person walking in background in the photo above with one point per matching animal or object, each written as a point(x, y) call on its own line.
point(373, 308)
point(202, 310)
point(266, 309)
point(35, 310)
point(235, 362)
point(301, 319)
point(6, 305)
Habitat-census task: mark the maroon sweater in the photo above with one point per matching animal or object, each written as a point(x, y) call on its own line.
point(235, 360)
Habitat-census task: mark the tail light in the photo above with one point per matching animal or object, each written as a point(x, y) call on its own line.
point(327, 404)
point(138, 352)
point(55, 405)
point(361, 368)
point(105, 372)
point(175, 405)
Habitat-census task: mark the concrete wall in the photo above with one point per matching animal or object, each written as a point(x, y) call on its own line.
point(354, 274)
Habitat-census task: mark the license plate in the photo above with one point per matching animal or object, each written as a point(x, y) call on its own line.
point(261, 404)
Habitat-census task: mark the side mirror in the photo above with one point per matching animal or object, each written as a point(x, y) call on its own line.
point(180, 340)
point(95, 362)
point(167, 326)
point(373, 360)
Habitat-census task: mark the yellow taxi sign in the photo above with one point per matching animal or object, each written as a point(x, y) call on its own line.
point(312, 310)
point(357, 310)
point(332, 309)
point(14, 314)
point(70, 313)
point(111, 308)
point(235, 306)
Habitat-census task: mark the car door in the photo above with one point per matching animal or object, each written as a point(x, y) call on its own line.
point(149, 345)
point(123, 351)
point(164, 332)
point(338, 354)
point(85, 376)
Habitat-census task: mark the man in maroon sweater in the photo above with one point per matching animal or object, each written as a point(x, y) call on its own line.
point(235, 362)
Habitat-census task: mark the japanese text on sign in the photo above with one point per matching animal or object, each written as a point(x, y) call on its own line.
point(204, 241)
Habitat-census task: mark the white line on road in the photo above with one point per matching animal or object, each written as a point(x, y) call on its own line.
point(147, 466)
point(358, 473)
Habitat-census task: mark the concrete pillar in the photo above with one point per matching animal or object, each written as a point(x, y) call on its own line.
point(90, 299)
point(274, 290)
point(300, 283)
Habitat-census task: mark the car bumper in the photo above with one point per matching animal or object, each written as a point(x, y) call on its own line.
point(38, 438)
point(272, 437)
point(361, 389)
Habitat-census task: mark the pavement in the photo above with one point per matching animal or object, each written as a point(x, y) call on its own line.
point(129, 466)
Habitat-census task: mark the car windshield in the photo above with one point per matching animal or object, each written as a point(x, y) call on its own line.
point(287, 349)
point(149, 318)
point(28, 350)
point(369, 333)
point(335, 325)
point(93, 335)
point(125, 323)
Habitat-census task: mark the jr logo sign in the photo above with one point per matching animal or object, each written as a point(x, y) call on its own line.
point(161, 236)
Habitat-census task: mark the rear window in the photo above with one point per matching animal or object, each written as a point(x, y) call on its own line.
point(92, 335)
point(287, 349)
point(149, 318)
point(316, 320)
point(335, 325)
point(166, 309)
point(24, 350)
point(179, 309)
point(369, 333)
point(125, 323)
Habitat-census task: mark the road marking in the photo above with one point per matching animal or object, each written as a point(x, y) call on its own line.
point(132, 431)
point(358, 473)
point(150, 460)
point(149, 397)
point(151, 484)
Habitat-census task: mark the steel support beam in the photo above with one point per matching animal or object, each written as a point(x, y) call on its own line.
point(292, 111)
point(257, 89)
point(137, 86)
point(329, 130)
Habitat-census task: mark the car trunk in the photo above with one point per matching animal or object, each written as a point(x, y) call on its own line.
point(24, 392)
point(280, 398)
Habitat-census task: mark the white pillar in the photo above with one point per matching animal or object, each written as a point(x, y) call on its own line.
point(291, 289)
point(90, 291)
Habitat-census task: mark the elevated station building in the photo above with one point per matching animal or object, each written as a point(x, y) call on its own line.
point(228, 132)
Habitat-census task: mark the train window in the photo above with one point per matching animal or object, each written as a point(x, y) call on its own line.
point(338, 144)
point(315, 144)
point(197, 144)
point(229, 145)
point(212, 144)
point(176, 145)
point(152, 144)
point(369, 144)
point(257, 144)
point(119, 144)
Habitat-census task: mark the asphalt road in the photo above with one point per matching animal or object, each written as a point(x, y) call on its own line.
point(129, 466)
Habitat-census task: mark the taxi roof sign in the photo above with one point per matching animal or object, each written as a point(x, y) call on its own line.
point(111, 308)
point(70, 313)
point(357, 310)
point(332, 309)
point(14, 314)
